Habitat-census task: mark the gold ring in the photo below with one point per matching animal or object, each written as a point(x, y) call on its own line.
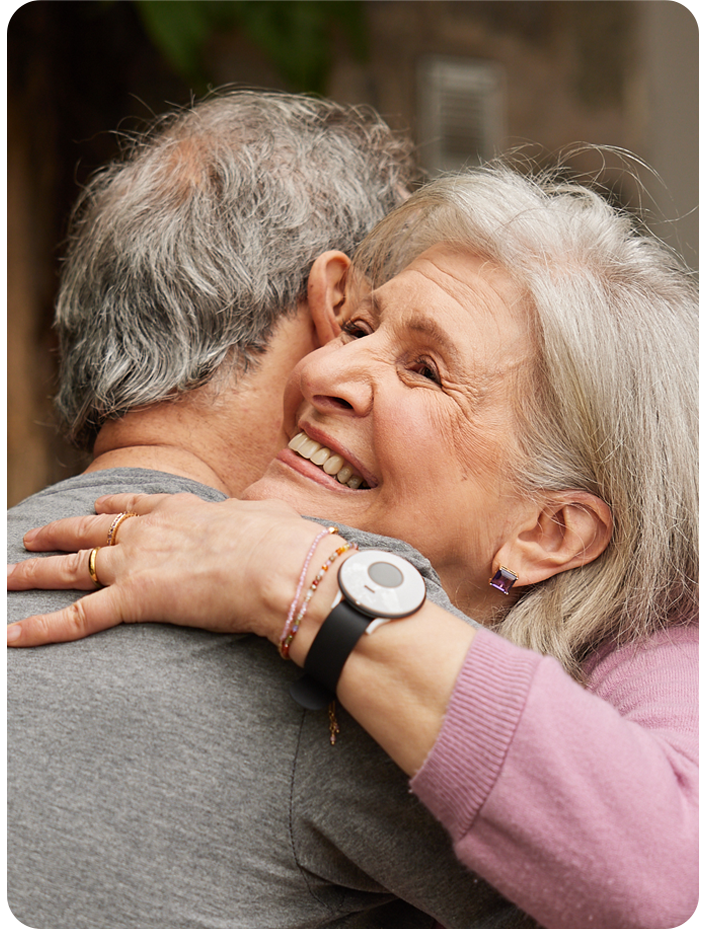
point(113, 531)
point(92, 566)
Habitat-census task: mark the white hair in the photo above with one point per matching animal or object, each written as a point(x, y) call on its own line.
point(610, 403)
point(185, 252)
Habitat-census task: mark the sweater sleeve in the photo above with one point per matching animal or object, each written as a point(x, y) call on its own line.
point(578, 804)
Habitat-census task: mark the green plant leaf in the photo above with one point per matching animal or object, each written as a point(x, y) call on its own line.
point(296, 35)
point(179, 29)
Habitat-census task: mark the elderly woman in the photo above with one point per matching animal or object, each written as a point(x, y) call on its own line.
point(515, 397)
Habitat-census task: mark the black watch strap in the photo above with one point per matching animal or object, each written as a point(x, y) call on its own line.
point(332, 645)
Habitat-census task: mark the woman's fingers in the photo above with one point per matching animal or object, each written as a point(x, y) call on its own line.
point(58, 572)
point(88, 531)
point(135, 503)
point(225, 550)
point(69, 535)
point(90, 614)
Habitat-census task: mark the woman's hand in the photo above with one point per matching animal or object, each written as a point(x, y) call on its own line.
point(233, 567)
point(228, 567)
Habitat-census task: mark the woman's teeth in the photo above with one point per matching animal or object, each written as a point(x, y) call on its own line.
point(332, 463)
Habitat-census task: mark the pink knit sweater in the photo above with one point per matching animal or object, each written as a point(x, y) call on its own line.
point(580, 805)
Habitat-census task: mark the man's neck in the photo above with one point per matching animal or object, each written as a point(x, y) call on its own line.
point(223, 434)
point(161, 457)
point(201, 436)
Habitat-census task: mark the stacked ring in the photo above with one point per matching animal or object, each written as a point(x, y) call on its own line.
point(92, 566)
point(113, 531)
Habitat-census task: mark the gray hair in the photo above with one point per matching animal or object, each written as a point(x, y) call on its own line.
point(185, 252)
point(610, 404)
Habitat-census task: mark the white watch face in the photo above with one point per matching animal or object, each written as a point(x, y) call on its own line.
point(382, 584)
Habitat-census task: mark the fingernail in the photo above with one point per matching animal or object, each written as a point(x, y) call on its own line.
point(29, 535)
point(14, 632)
point(10, 570)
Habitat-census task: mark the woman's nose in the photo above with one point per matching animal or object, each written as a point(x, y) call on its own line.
point(339, 379)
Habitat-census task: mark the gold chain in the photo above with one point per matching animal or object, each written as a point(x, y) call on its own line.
point(333, 726)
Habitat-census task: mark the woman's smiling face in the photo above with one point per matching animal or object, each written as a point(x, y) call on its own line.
point(416, 399)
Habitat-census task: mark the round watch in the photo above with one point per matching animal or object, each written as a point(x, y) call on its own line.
point(374, 587)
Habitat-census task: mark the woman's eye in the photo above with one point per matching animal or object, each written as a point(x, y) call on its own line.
point(355, 328)
point(427, 370)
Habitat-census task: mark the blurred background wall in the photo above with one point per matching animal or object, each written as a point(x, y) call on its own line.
point(467, 79)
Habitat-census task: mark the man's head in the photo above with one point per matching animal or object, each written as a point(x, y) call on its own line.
point(185, 253)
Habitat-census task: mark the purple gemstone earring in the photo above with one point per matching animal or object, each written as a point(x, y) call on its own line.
point(503, 579)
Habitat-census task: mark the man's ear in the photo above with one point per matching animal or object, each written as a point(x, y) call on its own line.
point(326, 293)
point(570, 528)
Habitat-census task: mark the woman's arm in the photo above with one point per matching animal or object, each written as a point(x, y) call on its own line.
point(397, 682)
point(579, 804)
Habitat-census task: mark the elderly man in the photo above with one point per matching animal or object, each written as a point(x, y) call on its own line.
point(161, 777)
point(187, 275)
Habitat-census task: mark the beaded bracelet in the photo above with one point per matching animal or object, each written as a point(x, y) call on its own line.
point(290, 615)
point(288, 636)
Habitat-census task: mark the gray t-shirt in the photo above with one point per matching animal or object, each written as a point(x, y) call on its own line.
point(162, 777)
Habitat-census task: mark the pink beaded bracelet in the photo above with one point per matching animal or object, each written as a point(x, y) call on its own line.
point(289, 634)
point(290, 615)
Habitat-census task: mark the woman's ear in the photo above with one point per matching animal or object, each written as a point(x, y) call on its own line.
point(326, 293)
point(570, 528)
